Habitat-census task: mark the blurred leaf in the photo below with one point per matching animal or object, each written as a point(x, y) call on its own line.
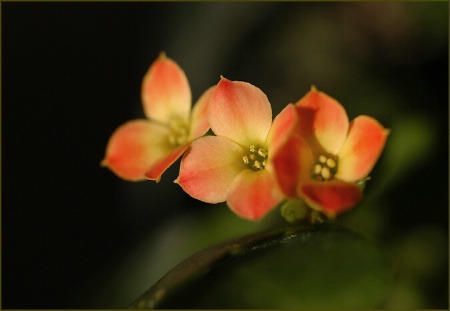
point(419, 259)
point(320, 267)
point(412, 141)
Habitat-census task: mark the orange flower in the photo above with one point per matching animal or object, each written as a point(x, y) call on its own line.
point(327, 156)
point(235, 165)
point(145, 148)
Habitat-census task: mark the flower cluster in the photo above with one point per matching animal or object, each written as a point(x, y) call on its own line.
point(309, 153)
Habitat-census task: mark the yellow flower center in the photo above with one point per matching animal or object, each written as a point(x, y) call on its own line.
point(179, 132)
point(324, 168)
point(256, 159)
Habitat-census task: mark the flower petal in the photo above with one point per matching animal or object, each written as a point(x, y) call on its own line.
point(322, 121)
point(166, 93)
point(199, 117)
point(291, 164)
point(254, 194)
point(208, 168)
point(155, 172)
point(282, 126)
point(365, 141)
point(134, 147)
point(240, 112)
point(331, 197)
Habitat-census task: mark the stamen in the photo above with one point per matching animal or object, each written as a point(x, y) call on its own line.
point(256, 158)
point(325, 168)
point(245, 159)
point(326, 174)
point(331, 163)
point(262, 152)
point(317, 168)
point(322, 159)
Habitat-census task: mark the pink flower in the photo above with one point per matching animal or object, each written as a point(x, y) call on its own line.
point(146, 148)
point(327, 156)
point(235, 165)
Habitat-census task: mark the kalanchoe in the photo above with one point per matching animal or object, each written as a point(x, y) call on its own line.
point(144, 148)
point(235, 165)
point(327, 157)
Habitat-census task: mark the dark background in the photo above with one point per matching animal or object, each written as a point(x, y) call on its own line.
point(71, 74)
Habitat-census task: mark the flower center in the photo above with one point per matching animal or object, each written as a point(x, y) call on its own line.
point(179, 132)
point(256, 158)
point(325, 168)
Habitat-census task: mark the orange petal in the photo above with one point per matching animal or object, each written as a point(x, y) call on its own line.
point(322, 121)
point(199, 119)
point(331, 197)
point(166, 93)
point(240, 112)
point(361, 150)
point(254, 194)
point(282, 126)
point(209, 167)
point(155, 172)
point(134, 147)
point(291, 164)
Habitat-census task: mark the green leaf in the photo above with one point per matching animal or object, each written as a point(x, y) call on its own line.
point(320, 267)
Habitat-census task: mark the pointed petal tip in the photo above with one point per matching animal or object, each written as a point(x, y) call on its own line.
point(103, 163)
point(155, 179)
point(158, 168)
point(224, 80)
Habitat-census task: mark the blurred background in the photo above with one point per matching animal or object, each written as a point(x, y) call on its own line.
point(76, 236)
